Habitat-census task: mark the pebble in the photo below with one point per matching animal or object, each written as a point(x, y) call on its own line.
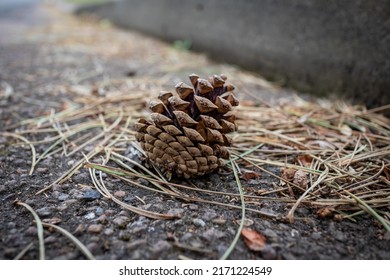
point(212, 234)
point(316, 235)
point(77, 194)
point(193, 207)
point(124, 235)
point(270, 233)
point(10, 252)
point(268, 252)
point(120, 194)
point(11, 183)
point(198, 222)
point(124, 213)
point(53, 221)
point(79, 229)
point(109, 212)
point(30, 202)
point(82, 177)
point(93, 247)
point(90, 216)
point(121, 221)
point(32, 230)
point(50, 239)
point(41, 170)
point(294, 233)
point(99, 211)
point(138, 226)
point(219, 221)
point(176, 212)
point(2, 189)
point(44, 211)
point(102, 219)
point(95, 228)
point(340, 236)
point(210, 215)
point(160, 246)
point(108, 231)
point(129, 198)
point(91, 195)
point(63, 196)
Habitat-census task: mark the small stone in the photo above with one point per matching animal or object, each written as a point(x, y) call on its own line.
point(270, 233)
point(137, 226)
point(77, 194)
point(41, 170)
point(121, 221)
point(50, 239)
point(99, 211)
point(11, 183)
point(212, 234)
point(294, 233)
point(102, 219)
point(124, 235)
point(93, 247)
point(268, 252)
point(56, 187)
point(10, 252)
point(30, 202)
point(108, 231)
point(90, 195)
point(2, 189)
point(176, 212)
point(193, 207)
point(161, 246)
point(82, 177)
point(120, 194)
point(79, 229)
point(219, 221)
point(95, 228)
point(316, 235)
point(90, 216)
point(109, 212)
point(32, 230)
point(124, 213)
point(44, 211)
point(198, 222)
point(340, 236)
point(53, 221)
point(63, 196)
point(208, 216)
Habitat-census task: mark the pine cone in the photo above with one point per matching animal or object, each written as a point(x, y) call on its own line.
point(187, 132)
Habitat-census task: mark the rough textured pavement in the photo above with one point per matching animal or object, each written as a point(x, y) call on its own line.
point(44, 53)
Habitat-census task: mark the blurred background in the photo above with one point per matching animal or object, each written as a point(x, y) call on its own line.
point(315, 46)
point(332, 48)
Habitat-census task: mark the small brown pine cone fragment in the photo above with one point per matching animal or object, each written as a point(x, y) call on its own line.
point(187, 131)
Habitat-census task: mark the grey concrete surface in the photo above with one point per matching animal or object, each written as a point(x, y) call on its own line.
point(322, 47)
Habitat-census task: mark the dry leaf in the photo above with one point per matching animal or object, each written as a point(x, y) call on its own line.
point(253, 239)
point(305, 160)
point(249, 174)
point(288, 174)
point(325, 212)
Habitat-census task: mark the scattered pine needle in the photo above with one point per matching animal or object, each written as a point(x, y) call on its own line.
point(77, 242)
point(39, 229)
point(349, 148)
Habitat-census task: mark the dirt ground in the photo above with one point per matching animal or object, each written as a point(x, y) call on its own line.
point(44, 52)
